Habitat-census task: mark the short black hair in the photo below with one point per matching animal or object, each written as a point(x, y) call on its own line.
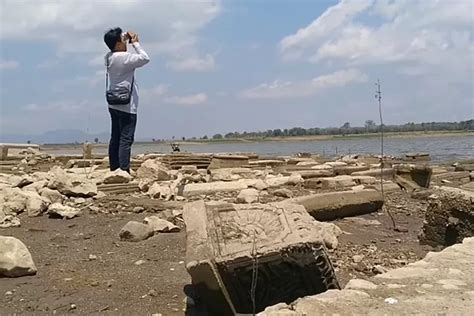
point(112, 37)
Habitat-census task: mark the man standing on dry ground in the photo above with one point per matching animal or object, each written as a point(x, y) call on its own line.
point(122, 93)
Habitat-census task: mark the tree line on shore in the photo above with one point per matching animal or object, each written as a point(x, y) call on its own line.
point(346, 129)
point(370, 127)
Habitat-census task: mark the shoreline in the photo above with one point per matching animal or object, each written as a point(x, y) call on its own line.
point(197, 142)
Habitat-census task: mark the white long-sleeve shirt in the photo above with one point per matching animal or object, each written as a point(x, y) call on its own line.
point(121, 69)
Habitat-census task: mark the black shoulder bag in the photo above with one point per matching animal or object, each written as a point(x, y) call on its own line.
point(119, 95)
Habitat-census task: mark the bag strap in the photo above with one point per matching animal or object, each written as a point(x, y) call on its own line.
point(107, 57)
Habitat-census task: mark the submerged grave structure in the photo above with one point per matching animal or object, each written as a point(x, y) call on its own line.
point(243, 258)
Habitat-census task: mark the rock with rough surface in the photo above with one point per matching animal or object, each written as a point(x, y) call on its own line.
point(15, 259)
point(248, 196)
point(161, 225)
point(58, 210)
point(52, 196)
point(117, 176)
point(135, 231)
point(71, 184)
point(153, 169)
point(286, 193)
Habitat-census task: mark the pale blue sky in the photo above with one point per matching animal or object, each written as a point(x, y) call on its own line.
point(222, 66)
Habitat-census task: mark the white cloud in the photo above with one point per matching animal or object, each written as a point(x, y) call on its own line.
point(65, 106)
point(425, 32)
point(8, 64)
point(193, 99)
point(301, 89)
point(151, 94)
point(193, 64)
point(76, 26)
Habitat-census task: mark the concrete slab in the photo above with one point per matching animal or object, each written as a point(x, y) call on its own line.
point(443, 282)
point(332, 205)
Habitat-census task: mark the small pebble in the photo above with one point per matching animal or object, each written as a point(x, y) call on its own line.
point(391, 300)
point(8, 293)
point(73, 306)
point(92, 257)
point(139, 262)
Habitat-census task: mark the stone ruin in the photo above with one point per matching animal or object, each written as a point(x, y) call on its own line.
point(230, 246)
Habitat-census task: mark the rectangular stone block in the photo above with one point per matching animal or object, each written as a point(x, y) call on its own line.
point(339, 182)
point(277, 245)
point(347, 170)
point(459, 177)
point(228, 161)
point(329, 206)
point(387, 173)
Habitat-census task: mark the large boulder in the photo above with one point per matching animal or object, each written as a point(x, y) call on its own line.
point(15, 259)
point(71, 184)
point(153, 169)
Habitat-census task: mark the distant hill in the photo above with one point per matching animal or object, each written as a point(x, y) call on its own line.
point(64, 136)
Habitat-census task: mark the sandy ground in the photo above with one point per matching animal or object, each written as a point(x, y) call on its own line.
point(84, 268)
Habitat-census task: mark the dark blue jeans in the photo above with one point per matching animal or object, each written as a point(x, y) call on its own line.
point(121, 140)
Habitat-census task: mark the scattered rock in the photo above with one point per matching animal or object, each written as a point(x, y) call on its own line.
point(357, 258)
point(248, 196)
point(35, 204)
point(286, 193)
point(162, 191)
point(378, 269)
point(161, 225)
point(138, 209)
point(71, 184)
point(57, 210)
point(52, 196)
point(153, 169)
point(15, 259)
point(139, 262)
point(117, 176)
point(135, 231)
point(359, 284)
point(9, 221)
point(92, 257)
